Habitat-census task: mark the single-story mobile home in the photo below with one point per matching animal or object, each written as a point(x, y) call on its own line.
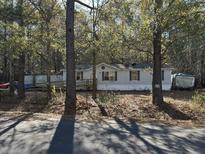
point(122, 77)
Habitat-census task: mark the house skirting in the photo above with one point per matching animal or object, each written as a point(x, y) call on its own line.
point(137, 87)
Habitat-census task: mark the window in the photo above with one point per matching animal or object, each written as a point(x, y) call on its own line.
point(79, 75)
point(162, 74)
point(109, 76)
point(135, 75)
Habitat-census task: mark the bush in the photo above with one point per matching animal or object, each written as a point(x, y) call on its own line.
point(199, 98)
point(53, 91)
point(107, 97)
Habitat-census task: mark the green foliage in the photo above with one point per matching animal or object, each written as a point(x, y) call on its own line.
point(4, 93)
point(53, 90)
point(124, 33)
point(199, 98)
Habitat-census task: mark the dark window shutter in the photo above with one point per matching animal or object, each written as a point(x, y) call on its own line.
point(138, 75)
point(82, 75)
point(77, 76)
point(162, 75)
point(102, 76)
point(115, 76)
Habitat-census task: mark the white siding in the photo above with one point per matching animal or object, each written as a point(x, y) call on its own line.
point(124, 83)
point(42, 79)
point(87, 74)
point(123, 79)
point(28, 79)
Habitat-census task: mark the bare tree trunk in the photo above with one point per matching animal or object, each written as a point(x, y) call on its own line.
point(21, 90)
point(49, 83)
point(28, 63)
point(54, 59)
point(5, 68)
point(11, 76)
point(48, 70)
point(34, 80)
point(94, 76)
point(41, 65)
point(94, 55)
point(70, 58)
point(203, 69)
point(157, 96)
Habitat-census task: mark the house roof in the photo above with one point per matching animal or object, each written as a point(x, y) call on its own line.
point(120, 66)
point(83, 66)
point(137, 65)
point(183, 74)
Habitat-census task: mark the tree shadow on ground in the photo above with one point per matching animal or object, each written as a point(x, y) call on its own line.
point(18, 119)
point(102, 110)
point(63, 139)
point(173, 112)
point(24, 136)
point(134, 130)
point(119, 136)
point(162, 139)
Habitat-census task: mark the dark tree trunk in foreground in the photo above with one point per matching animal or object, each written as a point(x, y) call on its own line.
point(70, 58)
point(157, 96)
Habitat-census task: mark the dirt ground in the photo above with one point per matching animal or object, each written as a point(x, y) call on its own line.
point(179, 109)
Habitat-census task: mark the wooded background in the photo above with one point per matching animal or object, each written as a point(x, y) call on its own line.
point(32, 35)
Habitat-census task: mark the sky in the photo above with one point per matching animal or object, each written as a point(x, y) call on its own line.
point(87, 1)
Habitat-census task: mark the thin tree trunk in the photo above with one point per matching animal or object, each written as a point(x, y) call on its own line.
point(157, 96)
point(41, 65)
point(94, 76)
point(49, 58)
point(55, 58)
point(70, 58)
point(11, 76)
point(28, 59)
point(48, 82)
point(34, 80)
point(203, 69)
point(5, 68)
point(48, 70)
point(59, 61)
point(21, 90)
point(94, 56)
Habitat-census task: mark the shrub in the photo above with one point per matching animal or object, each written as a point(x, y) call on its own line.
point(199, 98)
point(107, 97)
point(53, 90)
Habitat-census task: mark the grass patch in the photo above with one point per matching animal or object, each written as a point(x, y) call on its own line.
point(199, 98)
